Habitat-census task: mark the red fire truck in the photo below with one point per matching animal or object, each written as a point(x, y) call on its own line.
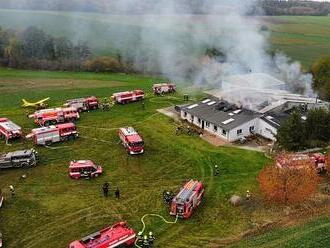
point(118, 235)
point(53, 134)
point(46, 117)
point(9, 129)
point(83, 104)
point(131, 140)
point(318, 159)
point(189, 198)
point(128, 96)
point(84, 168)
point(163, 88)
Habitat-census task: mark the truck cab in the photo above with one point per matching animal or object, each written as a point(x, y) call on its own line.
point(18, 159)
point(84, 169)
point(131, 140)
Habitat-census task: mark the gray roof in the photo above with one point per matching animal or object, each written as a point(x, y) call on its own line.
point(212, 114)
point(275, 119)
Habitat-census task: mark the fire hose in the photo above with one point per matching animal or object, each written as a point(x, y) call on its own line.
point(154, 215)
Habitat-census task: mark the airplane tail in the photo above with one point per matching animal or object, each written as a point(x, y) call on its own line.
point(25, 102)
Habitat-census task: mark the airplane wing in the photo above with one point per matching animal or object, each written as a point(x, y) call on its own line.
point(34, 104)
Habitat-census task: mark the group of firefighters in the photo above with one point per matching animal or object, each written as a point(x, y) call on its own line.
point(145, 241)
point(106, 189)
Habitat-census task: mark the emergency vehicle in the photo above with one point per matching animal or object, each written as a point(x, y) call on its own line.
point(53, 134)
point(19, 159)
point(83, 104)
point(46, 117)
point(189, 198)
point(163, 88)
point(131, 140)
point(118, 235)
point(84, 168)
point(294, 161)
point(128, 96)
point(9, 129)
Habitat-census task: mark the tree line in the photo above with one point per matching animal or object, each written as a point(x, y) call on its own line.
point(32, 48)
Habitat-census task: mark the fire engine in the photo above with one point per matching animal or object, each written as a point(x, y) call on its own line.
point(19, 159)
point(128, 96)
point(163, 88)
point(131, 140)
point(46, 117)
point(83, 104)
point(53, 134)
point(118, 235)
point(318, 160)
point(84, 168)
point(9, 129)
point(189, 198)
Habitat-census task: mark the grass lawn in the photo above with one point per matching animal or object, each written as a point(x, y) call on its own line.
point(303, 38)
point(50, 209)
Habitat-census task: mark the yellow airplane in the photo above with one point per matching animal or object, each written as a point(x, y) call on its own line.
point(38, 105)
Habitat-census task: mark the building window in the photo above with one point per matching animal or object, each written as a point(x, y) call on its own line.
point(251, 129)
point(207, 124)
point(239, 131)
point(215, 128)
point(224, 133)
point(199, 120)
point(185, 114)
point(192, 118)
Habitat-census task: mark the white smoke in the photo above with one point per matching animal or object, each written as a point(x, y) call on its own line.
point(175, 44)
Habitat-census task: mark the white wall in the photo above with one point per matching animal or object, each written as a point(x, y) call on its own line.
point(266, 130)
point(245, 130)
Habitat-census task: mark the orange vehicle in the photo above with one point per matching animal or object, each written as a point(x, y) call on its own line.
point(46, 117)
point(188, 199)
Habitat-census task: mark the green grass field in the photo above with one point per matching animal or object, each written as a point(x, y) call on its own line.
point(302, 38)
point(50, 209)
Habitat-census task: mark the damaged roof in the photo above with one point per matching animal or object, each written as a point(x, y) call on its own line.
point(211, 110)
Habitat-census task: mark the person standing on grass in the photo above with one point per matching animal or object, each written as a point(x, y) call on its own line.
point(117, 193)
point(216, 170)
point(105, 188)
point(12, 190)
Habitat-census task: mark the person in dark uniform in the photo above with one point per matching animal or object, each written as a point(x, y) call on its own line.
point(117, 193)
point(105, 188)
point(151, 238)
point(216, 170)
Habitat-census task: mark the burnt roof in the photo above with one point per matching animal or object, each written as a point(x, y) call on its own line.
point(275, 119)
point(212, 110)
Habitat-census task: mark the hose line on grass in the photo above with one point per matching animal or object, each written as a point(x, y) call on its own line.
point(154, 215)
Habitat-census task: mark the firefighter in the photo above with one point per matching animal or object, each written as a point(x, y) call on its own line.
point(139, 238)
point(216, 170)
point(117, 193)
point(248, 195)
point(12, 190)
point(105, 188)
point(151, 238)
point(145, 243)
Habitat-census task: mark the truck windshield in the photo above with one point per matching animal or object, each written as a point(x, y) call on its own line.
point(137, 144)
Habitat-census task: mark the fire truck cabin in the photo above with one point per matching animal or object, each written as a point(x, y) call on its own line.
point(119, 235)
point(9, 129)
point(131, 140)
point(187, 199)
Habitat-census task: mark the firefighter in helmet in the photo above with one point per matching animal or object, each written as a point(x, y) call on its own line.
point(248, 195)
point(145, 243)
point(139, 238)
point(151, 238)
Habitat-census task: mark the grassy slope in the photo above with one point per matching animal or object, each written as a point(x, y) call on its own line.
point(313, 234)
point(50, 209)
point(303, 38)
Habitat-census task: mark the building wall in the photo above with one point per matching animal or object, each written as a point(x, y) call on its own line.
point(245, 130)
point(266, 130)
point(230, 135)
